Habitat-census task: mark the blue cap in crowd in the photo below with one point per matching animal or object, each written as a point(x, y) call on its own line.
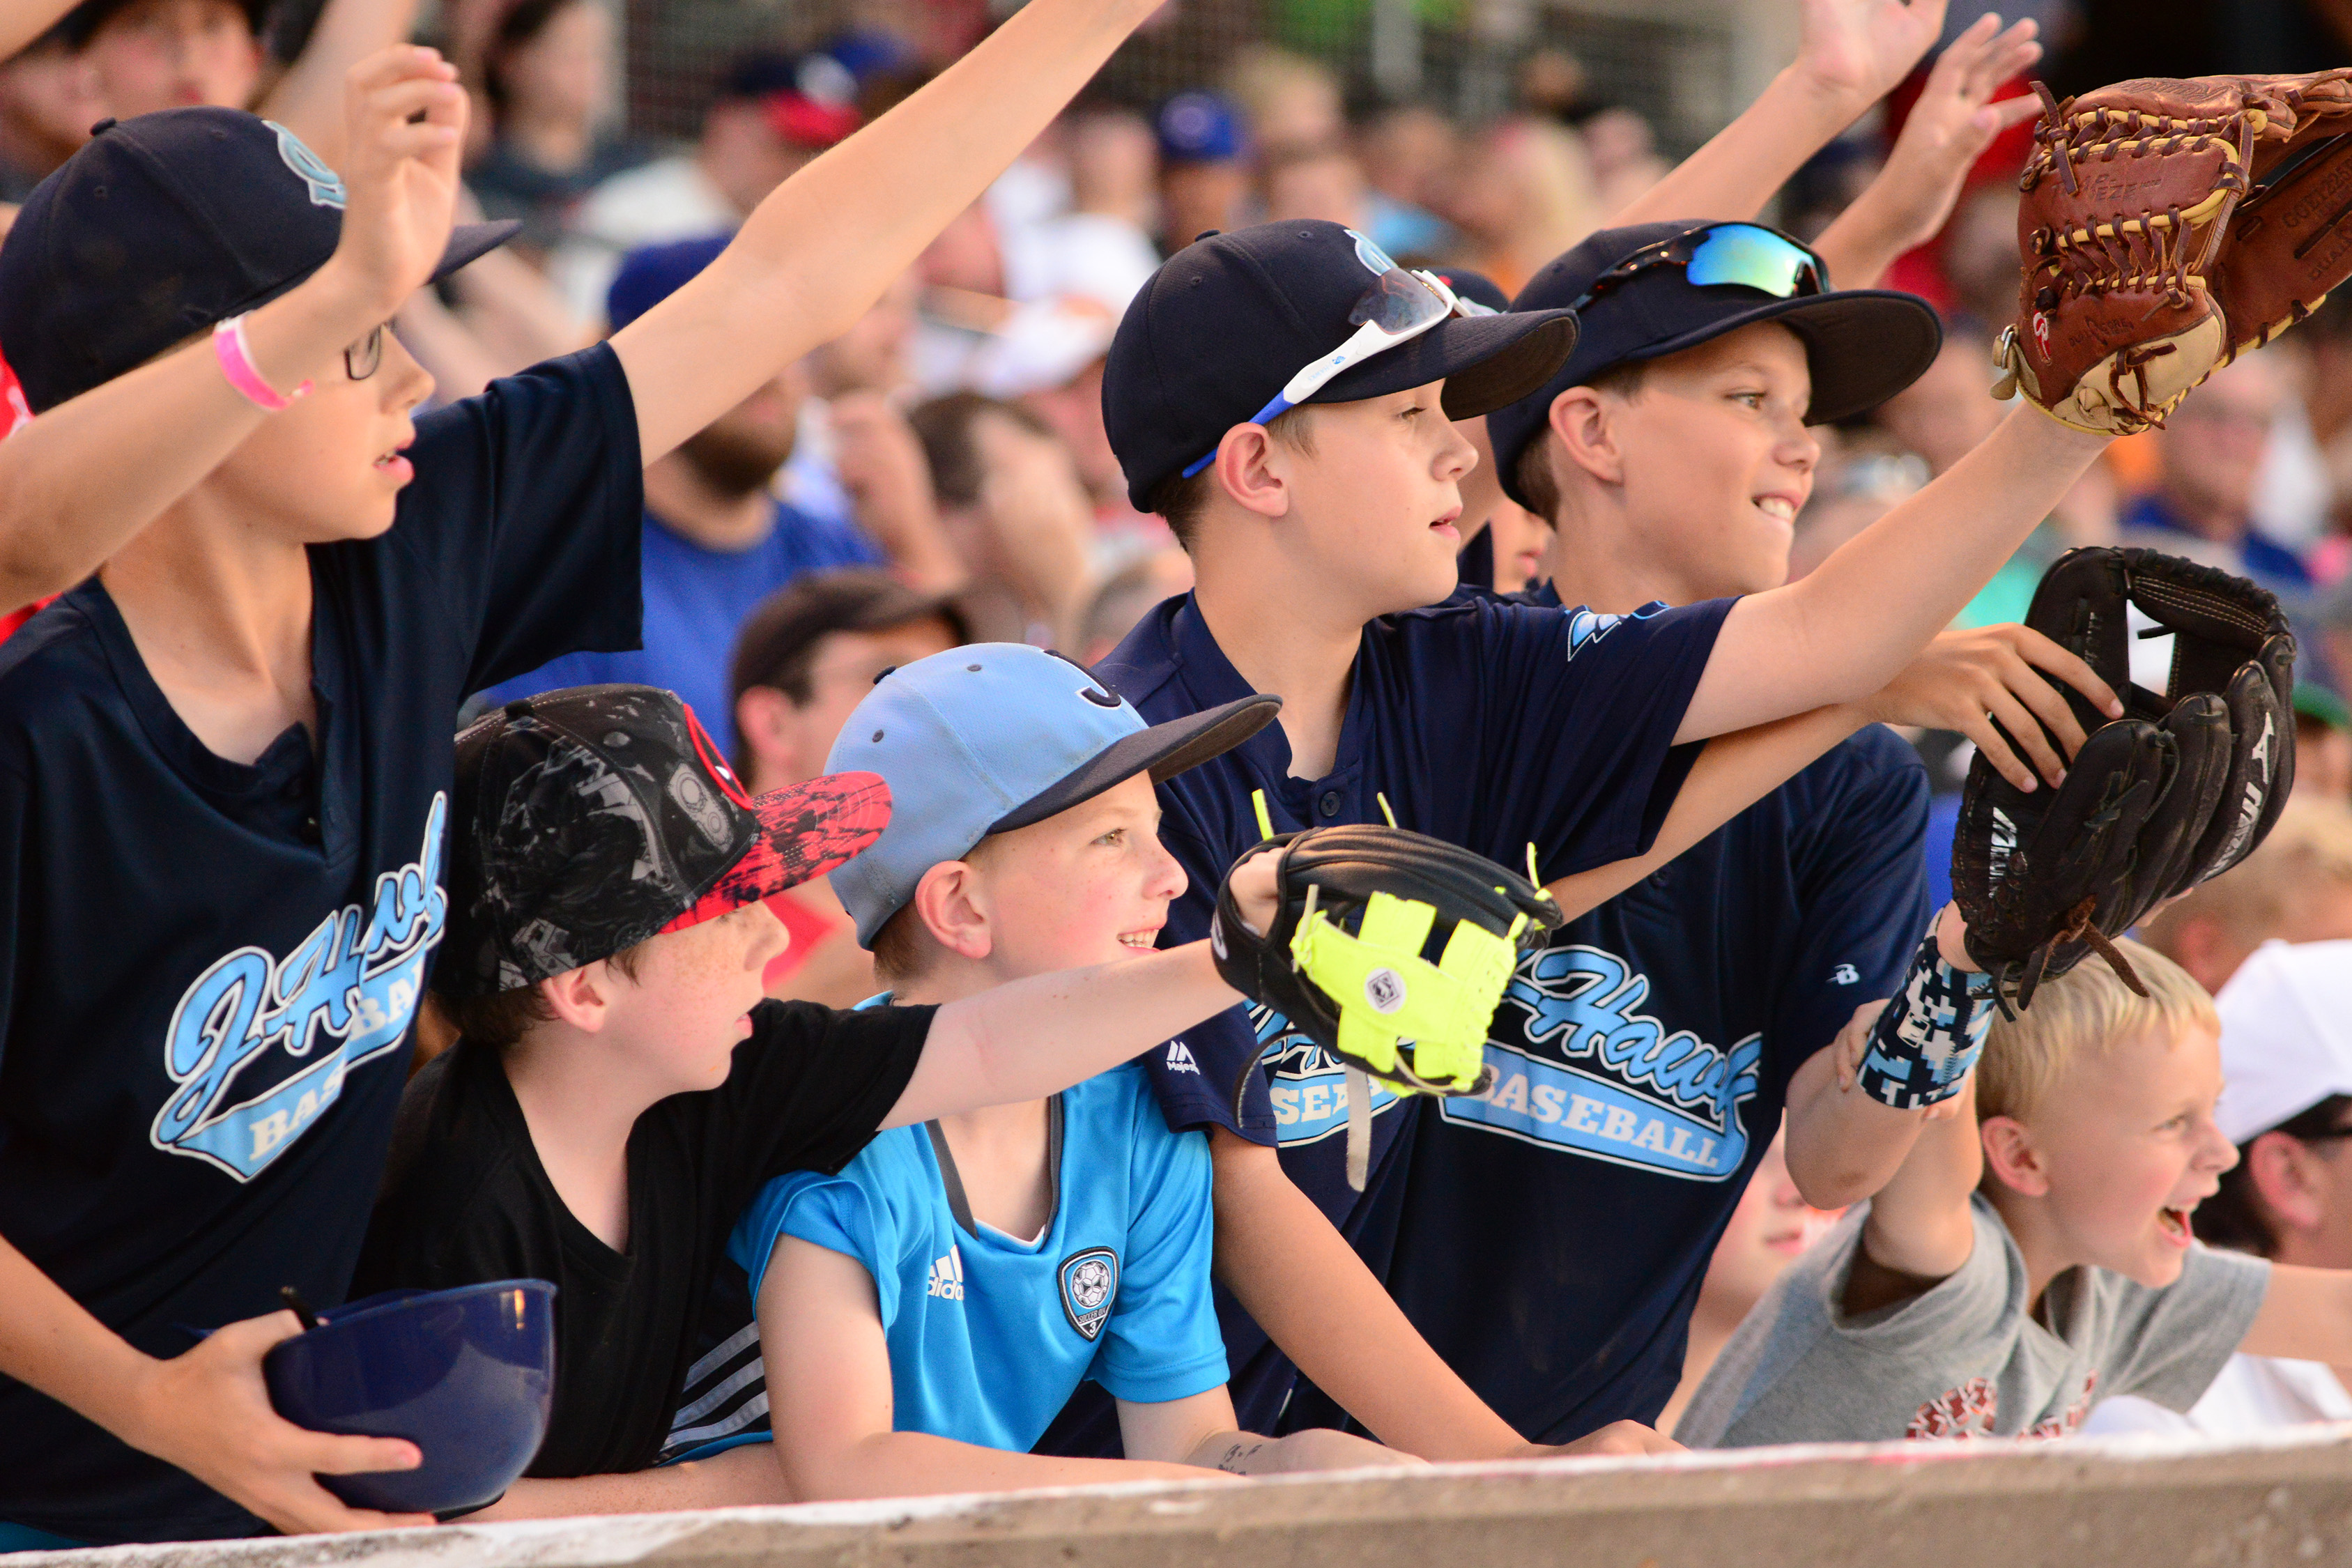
point(993, 736)
point(1228, 320)
point(1862, 345)
point(157, 229)
point(652, 273)
point(1201, 128)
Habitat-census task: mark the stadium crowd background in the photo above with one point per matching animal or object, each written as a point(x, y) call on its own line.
point(941, 474)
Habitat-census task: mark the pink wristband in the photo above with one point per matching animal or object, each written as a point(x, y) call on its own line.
point(236, 363)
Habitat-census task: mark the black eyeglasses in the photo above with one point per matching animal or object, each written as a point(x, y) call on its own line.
point(365, 357)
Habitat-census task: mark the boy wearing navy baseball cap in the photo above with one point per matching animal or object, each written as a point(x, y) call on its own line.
point(1754, 947)
point(1282, 394)
point(926, 1309)
point(621, 1089)
point(241, 726)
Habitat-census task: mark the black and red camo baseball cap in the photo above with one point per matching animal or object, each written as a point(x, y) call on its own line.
point(591, 818)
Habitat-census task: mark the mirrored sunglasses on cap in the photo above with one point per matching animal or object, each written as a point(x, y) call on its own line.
point(1746, 254)
point(1399, 307)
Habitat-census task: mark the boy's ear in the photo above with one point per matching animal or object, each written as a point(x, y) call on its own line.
point(581, 997)
point(2010, 1155)
point(948, 902)
point(766, 719)
point(1581, 418)
point(1246, 471)
point(2281, 1167)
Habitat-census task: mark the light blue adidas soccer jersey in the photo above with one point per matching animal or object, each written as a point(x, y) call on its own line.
point(990, 1336)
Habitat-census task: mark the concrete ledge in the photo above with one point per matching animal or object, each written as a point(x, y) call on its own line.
point(2286, 1501)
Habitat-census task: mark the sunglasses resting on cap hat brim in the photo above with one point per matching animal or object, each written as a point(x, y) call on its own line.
point(1163, 751)
point(805, 830)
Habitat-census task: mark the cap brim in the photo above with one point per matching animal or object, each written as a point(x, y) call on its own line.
point(1163, 751)
point(1862, 345)
point(805, 830)
point(1485, 362)
point(470, 242)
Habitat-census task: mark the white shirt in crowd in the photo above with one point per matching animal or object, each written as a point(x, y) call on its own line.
point(2253, 1394)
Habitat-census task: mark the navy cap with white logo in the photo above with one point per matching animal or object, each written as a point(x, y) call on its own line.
point(1229, 320)
point(993, 736)
point(1862, 345)
point(157, 229)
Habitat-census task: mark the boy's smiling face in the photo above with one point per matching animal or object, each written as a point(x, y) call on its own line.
point(2126, 1147)
point(331, 466)
point(1376, 503)
point(1089, 885)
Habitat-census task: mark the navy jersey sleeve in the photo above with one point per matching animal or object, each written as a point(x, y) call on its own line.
point(1864, 891)
point(526, 509)
point(1575, 718)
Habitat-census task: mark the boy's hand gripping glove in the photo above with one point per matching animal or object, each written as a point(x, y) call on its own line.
point(2179, 789)
point(1389, 950)
point(2167, 224)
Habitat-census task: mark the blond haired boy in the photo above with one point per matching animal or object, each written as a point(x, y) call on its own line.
point(2033, 1256)
point(2295, 886)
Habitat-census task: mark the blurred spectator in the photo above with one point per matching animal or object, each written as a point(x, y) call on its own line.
point(868, 359)
point(2323, 744)
point(772, 115)
point(1014, 510)
point(48, 102)
point(1288, 99)
point(1203, 168)
point(2287, 1102)
point(548, 82)
point(2295, 886)
point(1526, 196)
point(807, 656)
point(1979, 252)
point(1625, 161)
point(1771, 1225)
point(1411, 154)
point(1128, 598)
point(716, 540)
point(1114, 157)
point(1944, 414)
point(2209, 456)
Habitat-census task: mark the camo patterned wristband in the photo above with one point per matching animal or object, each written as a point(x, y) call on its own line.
point(1930, 1035)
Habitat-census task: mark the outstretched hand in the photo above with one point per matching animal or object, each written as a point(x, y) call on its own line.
point(1968, 680)
point(1954, 121)
point(1857, 50)
point(1618, 1439)
point(405, 121)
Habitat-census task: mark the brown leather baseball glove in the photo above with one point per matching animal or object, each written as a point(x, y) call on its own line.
point(2167, 224)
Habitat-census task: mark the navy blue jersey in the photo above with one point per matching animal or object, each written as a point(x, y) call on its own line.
point(207, 970)
point(1487, 724)
point(1549, 1237)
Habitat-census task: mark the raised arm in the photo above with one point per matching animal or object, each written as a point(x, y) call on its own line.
point(67, 501)
point(308, 98)
point(1920, 1229)
point(1850, 54)
point(1953, 123)
point(22, 21)
point(1845, 629)
point(826, 242)
point(2307, 1316)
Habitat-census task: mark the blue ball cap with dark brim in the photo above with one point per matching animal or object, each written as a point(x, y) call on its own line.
point(157, 229)
point(1862, 345)
point(1227, 320)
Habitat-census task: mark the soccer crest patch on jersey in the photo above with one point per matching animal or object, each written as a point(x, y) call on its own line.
point(1089, 1285)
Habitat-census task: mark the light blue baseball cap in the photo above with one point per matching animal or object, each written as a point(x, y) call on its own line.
point(993, 736)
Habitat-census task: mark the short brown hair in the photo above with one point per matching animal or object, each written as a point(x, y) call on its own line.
point(902, 947)
point(2309, 849)
point(945, 425)
point(1181, 500)
point(502, 1018)
point(2086, 1009)
point(1539, 481)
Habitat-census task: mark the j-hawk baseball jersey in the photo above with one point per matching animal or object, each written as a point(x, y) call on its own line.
point(1488, 724)
point(990, 1334)
point(208, 969)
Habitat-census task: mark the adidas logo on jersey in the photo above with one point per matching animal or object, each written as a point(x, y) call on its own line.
point(1180, 1058)
point(947, 1276)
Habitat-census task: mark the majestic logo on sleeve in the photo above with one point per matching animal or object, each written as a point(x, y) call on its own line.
point(1626, 1089)
point(1586, 627)
point(1090, 1286)
point(353, 986)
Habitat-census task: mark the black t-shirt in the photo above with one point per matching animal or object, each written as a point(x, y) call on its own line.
point(466, 1199)
point(207, 969)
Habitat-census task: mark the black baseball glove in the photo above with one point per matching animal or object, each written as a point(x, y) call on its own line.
point(2179, 789)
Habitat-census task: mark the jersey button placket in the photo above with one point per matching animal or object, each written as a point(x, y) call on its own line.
point(1329, 803)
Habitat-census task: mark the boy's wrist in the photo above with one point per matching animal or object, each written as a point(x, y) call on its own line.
point(1823, 108)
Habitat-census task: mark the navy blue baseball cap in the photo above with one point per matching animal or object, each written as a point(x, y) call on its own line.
point(652, 273)
point(1200, 128)
point(158, 228)
point(1227, 320)
point(1862, 345)
point(993, 736)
